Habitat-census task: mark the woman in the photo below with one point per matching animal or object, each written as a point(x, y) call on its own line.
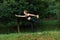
point(27, 14)
point(29, 17)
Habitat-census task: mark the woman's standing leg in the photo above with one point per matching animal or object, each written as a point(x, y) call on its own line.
point(32, 26)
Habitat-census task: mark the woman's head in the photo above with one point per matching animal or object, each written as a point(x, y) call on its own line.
point(25, 12)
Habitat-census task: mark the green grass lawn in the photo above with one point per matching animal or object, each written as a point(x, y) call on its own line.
point(46, 35)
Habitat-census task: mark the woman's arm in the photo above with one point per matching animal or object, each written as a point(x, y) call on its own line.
point(20, 15)
point(33, 15)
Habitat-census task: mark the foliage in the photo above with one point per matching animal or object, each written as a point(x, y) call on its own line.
point(45, 8)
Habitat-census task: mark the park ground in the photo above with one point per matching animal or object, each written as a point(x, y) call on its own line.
point(46, 35)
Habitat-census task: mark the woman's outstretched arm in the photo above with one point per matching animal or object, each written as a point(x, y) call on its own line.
point(33, 15)
point(20, 15)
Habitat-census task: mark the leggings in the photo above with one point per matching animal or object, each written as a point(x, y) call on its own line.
point(32, 21)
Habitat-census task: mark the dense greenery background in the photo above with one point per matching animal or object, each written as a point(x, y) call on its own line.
point(49, 11)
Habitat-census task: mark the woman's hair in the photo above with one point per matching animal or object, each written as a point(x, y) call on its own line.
point(26, 11)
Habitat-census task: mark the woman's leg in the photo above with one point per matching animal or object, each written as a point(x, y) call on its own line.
point(32, 26)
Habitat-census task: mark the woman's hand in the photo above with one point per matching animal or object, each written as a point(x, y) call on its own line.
point(37, 16)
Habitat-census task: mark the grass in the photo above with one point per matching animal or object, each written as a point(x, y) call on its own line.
point(46, 35)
